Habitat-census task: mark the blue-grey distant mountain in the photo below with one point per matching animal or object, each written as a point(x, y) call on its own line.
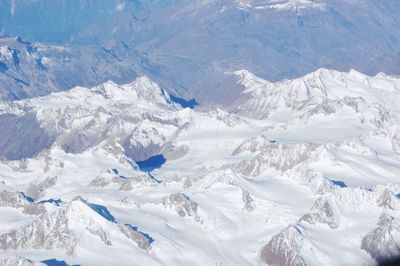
point(55, 20)
point(34, 69)
point(188, 45)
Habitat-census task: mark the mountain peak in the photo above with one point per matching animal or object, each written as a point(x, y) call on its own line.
point(250, 81)
point(383, 242)
point(142, 88)
point(324, 89)
point(66, 227)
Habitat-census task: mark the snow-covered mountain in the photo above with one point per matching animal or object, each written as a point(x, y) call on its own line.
point(70, 226)
point(187, 45)
point(321, 92)
point(139, 116)
point(291, 173)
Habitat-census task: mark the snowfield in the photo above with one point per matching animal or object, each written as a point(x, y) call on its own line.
point(291, 173)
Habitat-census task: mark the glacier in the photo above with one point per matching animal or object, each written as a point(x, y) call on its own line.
point(258, 181)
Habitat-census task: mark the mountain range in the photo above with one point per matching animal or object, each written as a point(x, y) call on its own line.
point(291, 173)
point(187, 46)
point(199, 132)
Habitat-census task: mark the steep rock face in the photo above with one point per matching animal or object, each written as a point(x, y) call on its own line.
point(383, 242)
point(18, 200)
point(18, 261)
point(142, 240)
point(314, 180)
point(248, 201)
point(113, 148)
point(284, 249)
point(137, 181)
point(57, 230)
point(229, 119)
point(181, 204)
point(281, 157)
point(104, 178)
point(325, 210)
point(36, 190)
point(126, 183)
point(254, 144)
point(388, 200)
point(292, 160)
point(63, 229)
point(144, 142)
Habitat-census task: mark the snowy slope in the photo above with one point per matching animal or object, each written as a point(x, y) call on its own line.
point(293, 173)
point(280, 4)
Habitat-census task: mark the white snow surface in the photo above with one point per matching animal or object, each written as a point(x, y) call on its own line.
point(294, 173)
point(280, 5)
